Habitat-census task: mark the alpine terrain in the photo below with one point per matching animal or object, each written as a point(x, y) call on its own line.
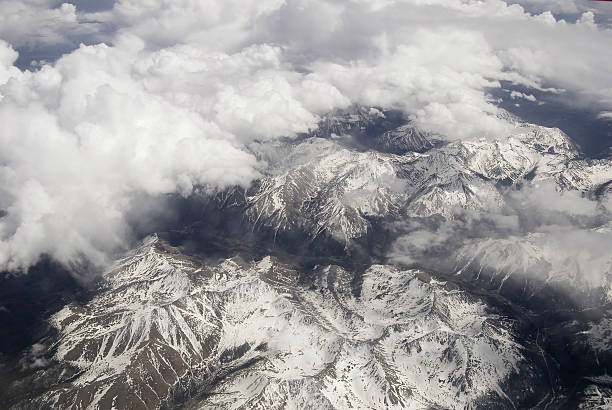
point(374, 265)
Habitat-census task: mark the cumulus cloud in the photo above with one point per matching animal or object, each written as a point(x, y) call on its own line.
point(218, 25)
point(80, 138)
point(29, 22)
point(178, 90)
point(566, 8)
point(44, 29)
point(529, 97)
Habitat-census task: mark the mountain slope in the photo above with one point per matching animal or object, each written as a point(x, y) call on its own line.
point(323, 186)
point(235, 334)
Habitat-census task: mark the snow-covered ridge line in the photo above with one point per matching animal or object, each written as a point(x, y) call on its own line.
point(335, 189)
point(249, 334)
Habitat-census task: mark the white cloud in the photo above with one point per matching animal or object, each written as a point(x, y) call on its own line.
point(80, 138)
point(529, 97)
point(7, 57)
point(605, 115)
point(434, 78)
point(31, 23)
point(567, 8)
point(184, 86)
point(213, 24)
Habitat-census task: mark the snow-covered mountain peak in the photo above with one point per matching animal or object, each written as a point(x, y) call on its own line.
point(249, 334)
point(334, 189)
point(338, 188)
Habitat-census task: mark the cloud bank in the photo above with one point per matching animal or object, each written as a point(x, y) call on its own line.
point(168, 95)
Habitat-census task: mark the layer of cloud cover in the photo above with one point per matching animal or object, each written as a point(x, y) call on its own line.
point(541, 234)
point(180, 88)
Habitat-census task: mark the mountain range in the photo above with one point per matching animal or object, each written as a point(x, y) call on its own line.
point(374, 265)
